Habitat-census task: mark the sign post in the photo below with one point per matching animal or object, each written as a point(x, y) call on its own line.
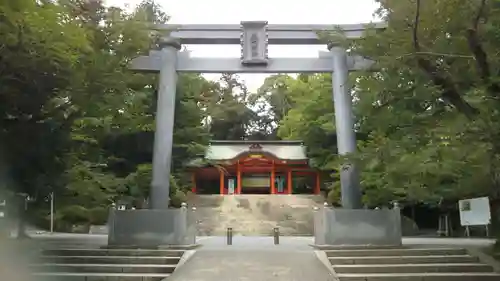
point(475, 212)
point(3, 205)
point(52, 213)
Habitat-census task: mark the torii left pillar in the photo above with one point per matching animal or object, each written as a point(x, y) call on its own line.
point(158, 225)
point(159, 195)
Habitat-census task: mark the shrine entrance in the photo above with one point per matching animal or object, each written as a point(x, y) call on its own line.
point(254, 38)
point(254, 167)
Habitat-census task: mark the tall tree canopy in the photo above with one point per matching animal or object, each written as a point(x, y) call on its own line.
point(76, 121)
point(431, 109)
point(426, 116)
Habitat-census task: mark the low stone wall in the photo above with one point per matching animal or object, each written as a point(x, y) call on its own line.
point(98, 229)
point(357, 227)
point(150, 228)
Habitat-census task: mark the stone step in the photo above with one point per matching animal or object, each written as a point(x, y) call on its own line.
point(413, 268)
point(75, 276)
point(113, 252)
point(165, 247)
point(420, 277)
point(355, 247)
point(396, 252)
point(57, 245)
point(103, 268)
point(404, 259)
point(110, 259)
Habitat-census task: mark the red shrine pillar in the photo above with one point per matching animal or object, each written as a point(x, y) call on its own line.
point(289, 181)
point(193, 179)
point(238, 178)
point(273, 180)
point(221, 182)
point(317, 186)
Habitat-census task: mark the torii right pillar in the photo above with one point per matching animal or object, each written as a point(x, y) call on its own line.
point(344, 122)
point(351, 225)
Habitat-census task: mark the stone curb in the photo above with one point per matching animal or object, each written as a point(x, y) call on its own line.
point(179, 247)
point(185, 257)
point(321, 255)
point(484, 258)
point(161, 247)
point(354, 247)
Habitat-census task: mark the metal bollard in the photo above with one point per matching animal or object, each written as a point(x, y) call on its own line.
point(276, 233)
point(230, 236)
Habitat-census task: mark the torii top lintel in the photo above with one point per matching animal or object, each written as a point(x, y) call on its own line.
point(280, 34)
point(254, 38)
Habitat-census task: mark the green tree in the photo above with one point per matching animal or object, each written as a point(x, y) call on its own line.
point(428, 116)
point(227, 109)
point(74, 119)
point(115, 131)
point(311, 118)
point(38, 57)
point(431, 108)
point(272, 103)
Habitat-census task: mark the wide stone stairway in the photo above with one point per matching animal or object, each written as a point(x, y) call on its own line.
point(409, 264)
point(255, 215)
point(105, 264)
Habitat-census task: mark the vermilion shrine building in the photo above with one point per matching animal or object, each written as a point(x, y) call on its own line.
point(254, 167)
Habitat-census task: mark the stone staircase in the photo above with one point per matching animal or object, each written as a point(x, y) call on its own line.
point(409, 264)
point(255, 215)
point(105, 264)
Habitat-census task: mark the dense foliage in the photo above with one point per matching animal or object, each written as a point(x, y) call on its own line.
point(427, 119)
point(75, 121)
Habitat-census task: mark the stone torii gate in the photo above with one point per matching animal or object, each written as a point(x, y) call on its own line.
point(254, 38)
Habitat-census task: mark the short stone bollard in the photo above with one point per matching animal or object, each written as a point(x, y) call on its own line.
point(396, 205)
point(276, 234)
point(230, 236)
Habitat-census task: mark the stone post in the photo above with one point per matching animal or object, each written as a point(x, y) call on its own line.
point(193, 225)
point(344, 122)
point(165, 112)
point(396, 205)
point(397, 217)
point(181, 220)
point(319, 225)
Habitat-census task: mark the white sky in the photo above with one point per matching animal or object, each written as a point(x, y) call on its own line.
point(274, 11)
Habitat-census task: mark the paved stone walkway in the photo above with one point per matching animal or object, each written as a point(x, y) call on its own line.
point(250, 241)
point(257, 258)
point(252, 265)
point(253, 258)
point(255, 243)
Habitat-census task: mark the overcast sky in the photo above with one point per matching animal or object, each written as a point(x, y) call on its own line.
point(274, 11)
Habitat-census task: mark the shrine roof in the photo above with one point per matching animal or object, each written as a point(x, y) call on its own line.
point(283, 149)
point(279, 142)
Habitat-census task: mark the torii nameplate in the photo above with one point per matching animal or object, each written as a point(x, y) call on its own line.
point(254, 43)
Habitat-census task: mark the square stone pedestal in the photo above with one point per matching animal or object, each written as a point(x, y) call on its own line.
point(359, 227)
point(151, 228)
